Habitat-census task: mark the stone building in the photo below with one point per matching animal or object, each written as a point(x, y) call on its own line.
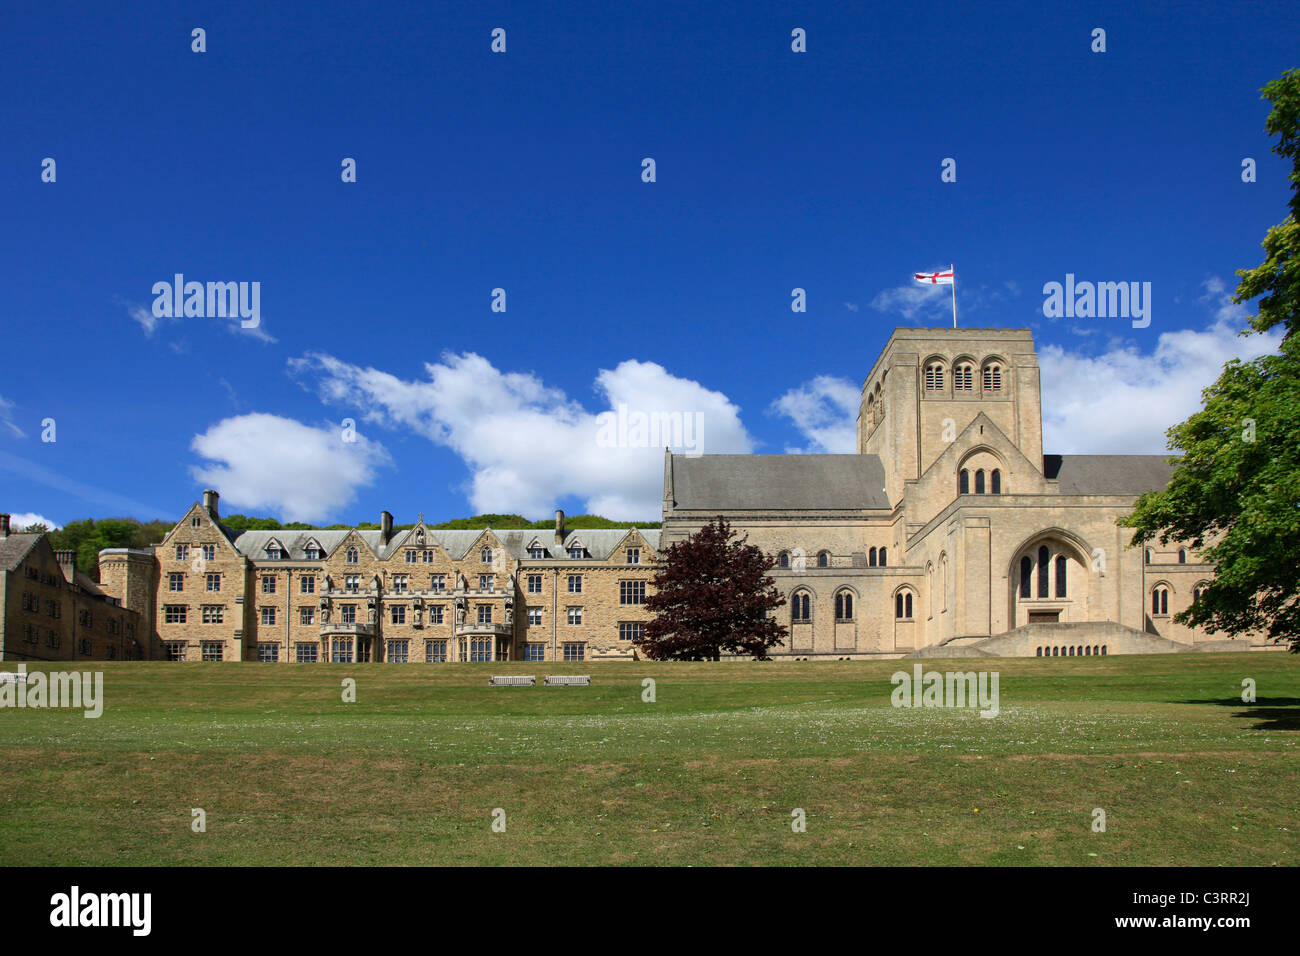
point(950, 528)
point(399, 596)
point(53, 612)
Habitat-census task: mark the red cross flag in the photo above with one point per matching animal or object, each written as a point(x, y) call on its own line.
point(934, 278)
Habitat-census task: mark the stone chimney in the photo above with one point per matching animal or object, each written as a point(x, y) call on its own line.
point(385, 527)
point(210, 503)
point(68, 563)
point(559, 527)
point(4, 526)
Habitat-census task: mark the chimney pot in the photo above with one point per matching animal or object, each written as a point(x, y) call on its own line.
point(4, 526)
point(385, 526)
point(210, 499)
point(559, 526)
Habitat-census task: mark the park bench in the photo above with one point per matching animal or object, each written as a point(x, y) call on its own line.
point(571, 680)
point(512, 680)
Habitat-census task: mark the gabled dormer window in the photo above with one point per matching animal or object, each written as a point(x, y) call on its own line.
point(577, 551)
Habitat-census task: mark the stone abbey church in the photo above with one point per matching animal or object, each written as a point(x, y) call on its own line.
point(949, 532)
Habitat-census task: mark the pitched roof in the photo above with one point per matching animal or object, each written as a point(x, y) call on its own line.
point(1108, 474)
point(779, 482)
point(600, 543)
point(14, 548)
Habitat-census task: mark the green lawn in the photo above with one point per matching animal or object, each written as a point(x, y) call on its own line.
point(708, 774)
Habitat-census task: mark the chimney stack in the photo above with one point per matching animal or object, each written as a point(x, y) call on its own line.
point(68, 563)
point(385, 527)
point(4, 526)
point(559, 527)
point(210, 503)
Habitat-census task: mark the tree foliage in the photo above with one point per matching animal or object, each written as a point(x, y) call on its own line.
point(88, 537)
point(1235, 492)
point(712, 596)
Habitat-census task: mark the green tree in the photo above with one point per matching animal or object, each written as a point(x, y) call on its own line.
point(1235, 491)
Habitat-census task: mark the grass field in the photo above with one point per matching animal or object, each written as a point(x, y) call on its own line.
point(709, 773)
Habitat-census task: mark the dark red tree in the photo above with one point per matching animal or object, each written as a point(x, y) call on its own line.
point(712, 596)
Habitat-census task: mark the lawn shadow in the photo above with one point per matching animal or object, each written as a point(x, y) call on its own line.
point(1272, 712)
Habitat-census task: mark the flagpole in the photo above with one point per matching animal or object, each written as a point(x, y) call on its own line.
point(953, 269)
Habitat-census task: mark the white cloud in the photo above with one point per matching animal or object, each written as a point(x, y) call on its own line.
point(145, 317)
point(914, 300)
point(851, 306)
point(825, 411)
point(300, 472)
point(7, 418)
point(22, 520)
point(527, 444)
point(1122, 401)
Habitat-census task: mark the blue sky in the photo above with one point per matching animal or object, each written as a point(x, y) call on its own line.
point(522, 171)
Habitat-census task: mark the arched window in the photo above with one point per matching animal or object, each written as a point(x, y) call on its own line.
point(1026, 573)
point(1044, 559)
point(824, 559)
point(1087, 650)
point(884, 556)
point(1182, 555)
point(801, 608)
point(979, 482)
point(1103, 650)
point(871, 558)
point(1071, 654)
point(903, 605)
point(934, 376)
point(1160, 600)
point(352, 556)
point(996, 481)
point(992, 377)
point(1148, 556)
point(1039, 652)
point(783, 559)
point(1061, 562)
point(1198, 591)
point(844, 606)
point(963, 377)
point(485, 556)
point(963, 482)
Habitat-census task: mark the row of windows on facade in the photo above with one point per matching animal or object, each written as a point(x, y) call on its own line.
point(876, 557)
point(34, 573)
point(994, 484)
point(631, 595)
point(963, 376)
point(1160, 598)
point(53, 641)
point(1182, 556)
point(398, 651)
point(400, 584)
point(314, 552)
point(86, 618)
point(1083, 650)
point(801, 606)
point(1028, 567)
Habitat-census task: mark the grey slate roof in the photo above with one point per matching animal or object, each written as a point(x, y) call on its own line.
point(1108, 474)
point(600, 543)
point(14, 548)
point(779, 482)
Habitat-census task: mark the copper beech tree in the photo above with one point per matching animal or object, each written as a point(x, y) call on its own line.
point(711, 597)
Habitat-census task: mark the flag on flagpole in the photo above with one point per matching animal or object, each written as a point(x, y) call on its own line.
point(934, 278)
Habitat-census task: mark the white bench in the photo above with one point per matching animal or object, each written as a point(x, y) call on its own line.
point(572, 680)
point(512, 680)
